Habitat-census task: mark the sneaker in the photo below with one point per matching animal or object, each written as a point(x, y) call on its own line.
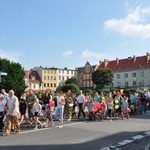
point(35, 128)
point(60, 126)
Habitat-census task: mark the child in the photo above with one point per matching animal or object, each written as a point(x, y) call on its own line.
point(110, 105)
point(49, 113)
point(103, 107)
point(37, 110)
point(125, 108)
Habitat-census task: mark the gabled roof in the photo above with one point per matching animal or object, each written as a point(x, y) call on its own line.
point(81, 69)
point(130, 63)
point(32, 74)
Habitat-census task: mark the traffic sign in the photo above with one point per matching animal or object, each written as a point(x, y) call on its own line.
point(3, 73)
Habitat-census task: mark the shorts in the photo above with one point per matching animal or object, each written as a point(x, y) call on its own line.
point(30, 112)
point(36, 114)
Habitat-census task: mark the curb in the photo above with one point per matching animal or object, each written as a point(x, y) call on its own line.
point(125, 142)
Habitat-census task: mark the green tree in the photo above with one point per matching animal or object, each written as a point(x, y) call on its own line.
point(15, 77)
point(102, 77)
point(73, 87)
point(72, 80)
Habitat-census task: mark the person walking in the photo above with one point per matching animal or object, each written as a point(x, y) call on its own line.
point(23, 108)
point(12, 113)
point(2, 111)
point(80, 100)
point(30, 101)
point(60, 108)
point(37, 108)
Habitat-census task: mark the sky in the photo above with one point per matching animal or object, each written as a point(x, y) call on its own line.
point(68, 33)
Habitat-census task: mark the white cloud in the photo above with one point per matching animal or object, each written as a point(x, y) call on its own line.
point(132, 25)
point(12, 56)
point(90, 54)
point(67, 53)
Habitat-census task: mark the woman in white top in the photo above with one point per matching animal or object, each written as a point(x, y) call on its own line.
point(2, 110)
point(60, 108)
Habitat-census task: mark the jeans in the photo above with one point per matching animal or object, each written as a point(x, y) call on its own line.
point(59, 114)
point(143, 107)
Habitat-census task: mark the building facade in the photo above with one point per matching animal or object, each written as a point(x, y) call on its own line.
point(53, 77)
point(85, 76)
point(129, 72)
point(32, 80)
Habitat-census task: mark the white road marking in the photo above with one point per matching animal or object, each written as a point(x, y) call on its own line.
point(42, 129)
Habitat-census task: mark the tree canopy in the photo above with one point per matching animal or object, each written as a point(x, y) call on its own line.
point(72, 80)
point(15, 77)
point(102, 77)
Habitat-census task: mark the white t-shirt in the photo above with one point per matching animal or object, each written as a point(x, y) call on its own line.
point(81, 98)
point(11, 103)
point(2, 105)
point(59, 99)
point(37, 107)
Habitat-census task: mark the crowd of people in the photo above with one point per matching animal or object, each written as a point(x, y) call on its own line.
point(30, 106)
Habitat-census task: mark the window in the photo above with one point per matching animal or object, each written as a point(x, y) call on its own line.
point(133, 74)
point(67, 71)
point(118, 76)
point(44, 71)
point(54, 71)
point(125, 75)
point(62, 71)
point(47, 84)
point(59, 77)
point(51, 77)
point(84, 77)
point(63, 78)
point(51, 71)
point(87, 68)
point(71, 72)
point(91, 83)
point(142, 74)
point(54, 77)
point(84, 84)
point(134, 82)
point(44, 84)
point(34, 86)
point(126, 83)
point(88, 84)
point(51, 84)
point(118, 84)
point(47, 77)
point(54, 84)
point(44, 77)
point(59, 71)
point(87, 76)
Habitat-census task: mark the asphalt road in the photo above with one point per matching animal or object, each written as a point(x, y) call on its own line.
point(77, 134)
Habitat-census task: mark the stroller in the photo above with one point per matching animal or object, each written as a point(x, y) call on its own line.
point(94, 111)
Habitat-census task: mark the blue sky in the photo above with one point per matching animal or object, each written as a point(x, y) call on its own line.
point(67, 33)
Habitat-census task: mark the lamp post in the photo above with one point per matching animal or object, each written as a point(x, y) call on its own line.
point(143, 74)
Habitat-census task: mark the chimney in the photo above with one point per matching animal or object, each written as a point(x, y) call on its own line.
point(148, 57)
point(117, 61)
point(134, 59)
point(105, 63)
point(100, 62)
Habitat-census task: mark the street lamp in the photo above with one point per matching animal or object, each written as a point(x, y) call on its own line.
point(143, 74)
